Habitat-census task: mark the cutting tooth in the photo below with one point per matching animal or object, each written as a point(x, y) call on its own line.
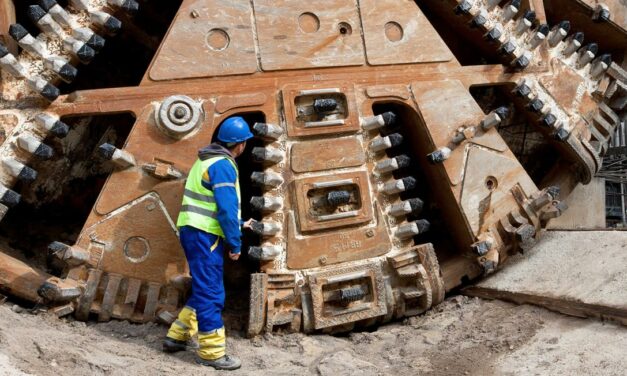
point(562, 134)
point(19, 170)
point(525, 22)
point(558, 33)
point(66, 71)
point(573, 43)
point(106, 21)
point(540, 35)
point(480, 20)
point(44, 21)
point(494, 118)
point(412, 229)
point(80, 49)
point(266, 179)
point(463, 7)
point(586, 54)
point(439, 155)
point(600, 65)
point(495, 33)
point(393, 164)
point(523, 61)
point(27, 41)
point(57, 12)
point(536, 105)
point(266, 204)
point(522, 89)
point(383, 143)
point(549, 120)
point(267, 154)
point(493, 3)
point(93, 40)
point(510, 10)
point(411, 206)
point(120, 157)
point(267, 228)
point(8, 197)
point(52, 124)
point(601, 13)
point(34, 146)
point(9, 63)
point(378, 121)
point(129, 6)
point(43, 88)
point(265, 253)
point(400, 185)
point(266, 130)
point(72, 256)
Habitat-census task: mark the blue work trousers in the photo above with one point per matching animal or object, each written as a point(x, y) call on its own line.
point(207, 269)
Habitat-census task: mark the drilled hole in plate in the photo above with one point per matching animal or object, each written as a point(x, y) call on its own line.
point(308, 22)
point(491, 183)
point(345, 28)
point(393, 31)
point(218, 39)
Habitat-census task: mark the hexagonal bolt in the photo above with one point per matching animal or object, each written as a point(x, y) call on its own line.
point(71, 255)
point(494, 34)
point(66, 71)
point(600, 65)
point(463, 7)
point(266, 179)
point(393, 164)
point(93, 40)
point(559, 32)
point(9, 63)
point(266, 130)
point(107, 22)
point(129, 6)
point(58, 290)
point(400, 185)
point(539, 36)
point(19, 170)
point(409, 230)
point(265, 253)
point(384, 143)
point(586, 54)
point(8, 197)
point(266, 228)
point(26, 41)
point(494, 118)
point(510, 10)
point(79, 49)
point(121, 158)
point(52, 124)
point(439, 155)
point(573, 43)
point(34, 146)
point(481, 247)
point(378, 121)
point(267, 154)
point(601, 13)
point(57, 12)
point(44, 21)
point(412, 206)
point(266, 204)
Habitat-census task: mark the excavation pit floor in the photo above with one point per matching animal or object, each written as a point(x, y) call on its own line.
point(461, 336)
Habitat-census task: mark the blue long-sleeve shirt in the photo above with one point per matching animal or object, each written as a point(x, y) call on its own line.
point(222, 181)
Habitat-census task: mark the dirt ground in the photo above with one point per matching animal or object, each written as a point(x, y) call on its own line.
point(462, 336)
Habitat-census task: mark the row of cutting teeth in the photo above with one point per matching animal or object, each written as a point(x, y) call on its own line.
point(270, 179)
point(77, 43)
point(518, 35)
point(391, 186)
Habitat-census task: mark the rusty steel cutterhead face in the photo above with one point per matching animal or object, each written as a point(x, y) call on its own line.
point(388, 166)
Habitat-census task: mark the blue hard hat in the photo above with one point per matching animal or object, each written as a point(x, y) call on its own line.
point(234, 130)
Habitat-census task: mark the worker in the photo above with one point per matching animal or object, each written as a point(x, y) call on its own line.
point(210, 222)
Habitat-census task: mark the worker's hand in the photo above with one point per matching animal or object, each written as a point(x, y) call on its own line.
point(234, 256)
point(248, 224)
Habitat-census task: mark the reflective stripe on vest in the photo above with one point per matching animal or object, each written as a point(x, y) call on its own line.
point(199, 208)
